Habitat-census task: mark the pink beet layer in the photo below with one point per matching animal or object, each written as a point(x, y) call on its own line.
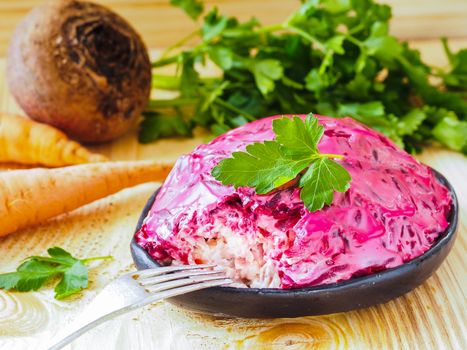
point(393, 212)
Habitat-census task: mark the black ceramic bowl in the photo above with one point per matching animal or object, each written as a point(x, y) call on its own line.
point(325, 299)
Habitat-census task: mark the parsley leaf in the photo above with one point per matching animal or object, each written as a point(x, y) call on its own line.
point(266, 72)
point(74, 279)
point(410, 122)
point(263, 166)
point(451, 132)
point(157, 125)
point(35, 271)
point(297, 137)
point(192, 8)
point(268, 165)
point(31, 275)
point(321, 180)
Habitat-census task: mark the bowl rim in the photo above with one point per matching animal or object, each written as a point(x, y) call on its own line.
point(354, 282)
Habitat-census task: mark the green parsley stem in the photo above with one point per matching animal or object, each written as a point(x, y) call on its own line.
point(306, 36)
point(353, 40)
point(447, 50)
point(166, 82)
point(164, 103)
point(270, 28)
point(107, 257)
point(357, 28)
point(176, 58)
point(234, 109)
point(44, 259)
point(179, 43)
point(165, 61)
point(170, 82)
point(330, 155)
point(325, 62)
point(292, 83)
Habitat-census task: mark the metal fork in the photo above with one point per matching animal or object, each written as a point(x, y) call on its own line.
point(137, 289)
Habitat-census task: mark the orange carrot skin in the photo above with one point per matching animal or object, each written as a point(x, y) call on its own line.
point(29, 197)
point(28, 142)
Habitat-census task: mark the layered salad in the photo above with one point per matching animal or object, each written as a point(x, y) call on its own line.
point(392, 212)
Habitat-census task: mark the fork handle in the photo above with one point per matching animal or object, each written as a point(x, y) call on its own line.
point(80, 326)
point(89, 320)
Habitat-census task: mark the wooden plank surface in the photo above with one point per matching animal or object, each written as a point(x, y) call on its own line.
point(414, 19)
point(431, 317)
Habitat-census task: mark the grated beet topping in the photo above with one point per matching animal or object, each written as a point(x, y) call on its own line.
point(393, 212)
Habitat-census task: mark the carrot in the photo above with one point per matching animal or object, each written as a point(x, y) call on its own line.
point(28, 142)
point(29, 197)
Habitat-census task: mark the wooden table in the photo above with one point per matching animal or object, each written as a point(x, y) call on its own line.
point(431, 317)
point(161, 24)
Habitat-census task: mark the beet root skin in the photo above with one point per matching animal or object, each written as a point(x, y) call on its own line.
point(81, 68)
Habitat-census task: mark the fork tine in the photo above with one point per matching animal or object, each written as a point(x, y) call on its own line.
point(182, 290)
point(181, 282)
point(175, 276)
point(166, 269)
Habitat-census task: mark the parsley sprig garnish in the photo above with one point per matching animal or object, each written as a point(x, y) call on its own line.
point(268, 165)
point(35, 271)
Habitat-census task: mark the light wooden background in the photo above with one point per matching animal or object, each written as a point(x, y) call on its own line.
point(431, 317)
point(160, 24)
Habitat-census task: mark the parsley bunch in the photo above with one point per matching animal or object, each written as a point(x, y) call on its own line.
point(332, 57)
point(35, 271)
point(268, 165)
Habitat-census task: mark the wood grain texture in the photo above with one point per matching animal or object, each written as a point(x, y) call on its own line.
point(431, 317)
point(161, 25)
